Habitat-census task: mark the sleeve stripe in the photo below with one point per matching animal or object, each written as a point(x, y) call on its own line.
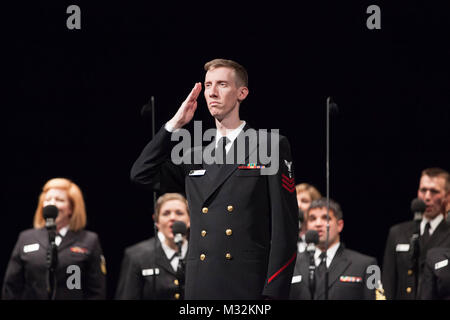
point(282, 268)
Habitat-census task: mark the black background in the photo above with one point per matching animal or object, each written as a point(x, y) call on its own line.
point(72, 99)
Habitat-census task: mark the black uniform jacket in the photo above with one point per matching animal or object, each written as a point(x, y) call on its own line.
point(397, 274)
point(436, 274)
point(243, 224)
point(146, 274)
point(26, 274)
point(347, 279)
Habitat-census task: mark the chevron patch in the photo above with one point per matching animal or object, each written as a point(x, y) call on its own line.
point(287, 183)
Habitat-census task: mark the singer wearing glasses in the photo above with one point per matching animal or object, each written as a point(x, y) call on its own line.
point(153, 269)
point(80, 271)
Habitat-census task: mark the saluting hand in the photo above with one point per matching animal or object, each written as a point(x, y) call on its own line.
point(187, 109)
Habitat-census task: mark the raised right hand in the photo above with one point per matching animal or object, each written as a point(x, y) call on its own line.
point(187, 109)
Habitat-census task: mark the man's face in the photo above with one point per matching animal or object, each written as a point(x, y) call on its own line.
point(432, 192)
point(317, 220)
point(222, 93)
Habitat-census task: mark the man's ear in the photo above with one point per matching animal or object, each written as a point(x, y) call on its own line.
point(243, 93)
point(340, 225)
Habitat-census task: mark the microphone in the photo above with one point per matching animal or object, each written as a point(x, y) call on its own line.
point(50, 213)
point(179, 230)
point(418, 207)
point(311, 239)
point(332, 106)
point(147, 109)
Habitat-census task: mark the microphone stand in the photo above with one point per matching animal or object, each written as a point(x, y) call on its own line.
point(329, 104)
point(52, 262)
point(415, 248)
point(312, 278)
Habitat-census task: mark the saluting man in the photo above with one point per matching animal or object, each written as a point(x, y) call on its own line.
point(244, 226)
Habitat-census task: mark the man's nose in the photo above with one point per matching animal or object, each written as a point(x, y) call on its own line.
point(213, 91)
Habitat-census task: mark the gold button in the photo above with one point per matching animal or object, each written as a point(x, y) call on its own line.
point(205, 210)
point(229, 232)
point(202, 256)
point(408, 290)
point(410, 272)
point(176, 282)
point(228, 256)
point(230, 208)
point(177, 296)
point(203, 233)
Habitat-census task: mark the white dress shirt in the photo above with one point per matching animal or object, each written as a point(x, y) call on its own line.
point(170, 252)
point(62, 232)
point(331, 252)
point(433, 223)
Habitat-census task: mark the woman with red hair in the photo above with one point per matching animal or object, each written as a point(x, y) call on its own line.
point(80, 272)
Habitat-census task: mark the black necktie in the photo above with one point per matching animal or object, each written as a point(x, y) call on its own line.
point(426, 234)
point(220, 151)
point(321, 268)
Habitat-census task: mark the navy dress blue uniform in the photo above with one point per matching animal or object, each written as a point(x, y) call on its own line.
point(26, 274)
point(244, 225)
point(436, 275)
point(347, 277)
point(398, 276)
point(147, 274)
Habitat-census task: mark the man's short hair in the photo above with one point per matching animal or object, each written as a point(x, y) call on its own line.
point(239, 70)
point(322, 203)
point(438, 172)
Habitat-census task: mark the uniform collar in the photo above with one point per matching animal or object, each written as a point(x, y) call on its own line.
point(230, 134)
point(331, 252)
point(433, 223)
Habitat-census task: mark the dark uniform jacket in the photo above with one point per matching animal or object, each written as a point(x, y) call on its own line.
point(398, 276)
point(436, 275)
point(347, 278)
point(147, 274)
point(244, 225)
point(26, 274)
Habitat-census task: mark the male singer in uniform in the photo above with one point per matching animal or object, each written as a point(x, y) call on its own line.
point(348, 269)
point(244, 226)
point(398, 276)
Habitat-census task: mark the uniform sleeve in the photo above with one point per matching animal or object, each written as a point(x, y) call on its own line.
point(14, 281)
point(130, 280)
point(284, 224)
point(389, 272)
point(95, 281)
point(154, 169)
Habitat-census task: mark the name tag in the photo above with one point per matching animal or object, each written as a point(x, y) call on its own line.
point(197, 172)
point(297, 279)
point(441, 264)
point(150, 272)
point(31, 247)
point(402, 247)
